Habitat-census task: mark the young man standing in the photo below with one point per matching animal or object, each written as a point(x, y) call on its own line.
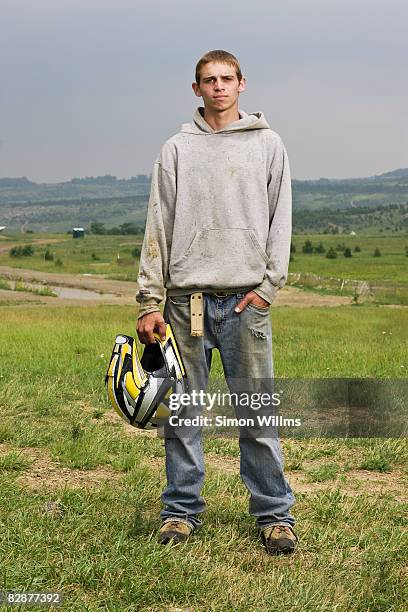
point(219, 227)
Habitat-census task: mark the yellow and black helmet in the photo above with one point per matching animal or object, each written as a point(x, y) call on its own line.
point(138, 389)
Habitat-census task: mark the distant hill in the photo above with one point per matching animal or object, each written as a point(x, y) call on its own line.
point(400, 173)
point(359, 219)
point(376, 202)
point(22, 190)
point(382, 190)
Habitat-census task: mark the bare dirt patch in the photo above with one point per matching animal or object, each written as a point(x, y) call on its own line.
point(45, 473)
point(109, 291)
point(112, 417)
point(292, 296)
point(228, 465)
point(20, 297)
point(353, 482)
point(92, 282)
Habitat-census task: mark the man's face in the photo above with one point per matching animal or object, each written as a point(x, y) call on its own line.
point(219, 86)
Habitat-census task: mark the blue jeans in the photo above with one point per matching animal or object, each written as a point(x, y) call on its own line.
point(245, 344)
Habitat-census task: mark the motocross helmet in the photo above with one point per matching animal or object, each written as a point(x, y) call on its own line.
point(139, 389)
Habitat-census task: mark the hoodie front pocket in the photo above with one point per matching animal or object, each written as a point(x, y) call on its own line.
point(217, 258)
point(257, 246)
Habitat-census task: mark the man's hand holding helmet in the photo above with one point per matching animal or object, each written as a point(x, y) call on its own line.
point(149, 324)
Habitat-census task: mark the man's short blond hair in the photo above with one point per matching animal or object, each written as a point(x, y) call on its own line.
point(223, 57)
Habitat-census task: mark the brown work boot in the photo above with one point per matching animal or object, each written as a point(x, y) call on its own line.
point(279, 539)
point(175, 531)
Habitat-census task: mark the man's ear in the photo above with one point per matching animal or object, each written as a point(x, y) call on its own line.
point(196, 89)
point(242, 85)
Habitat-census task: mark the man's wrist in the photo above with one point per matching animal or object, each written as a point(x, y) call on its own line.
point(145, 309)
point(268, 295)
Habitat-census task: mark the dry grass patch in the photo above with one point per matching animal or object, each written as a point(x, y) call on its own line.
point(43, 473)
point(353, 482)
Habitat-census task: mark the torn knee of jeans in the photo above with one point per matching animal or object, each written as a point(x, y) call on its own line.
point(257, 333)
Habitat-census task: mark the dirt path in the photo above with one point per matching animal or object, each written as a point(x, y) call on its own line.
point(92, 282)
point(292, 296)
point(22, 298)
point(109, 291)
point(123, 292)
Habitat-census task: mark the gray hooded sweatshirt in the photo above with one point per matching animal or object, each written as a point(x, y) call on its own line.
point(220, 213)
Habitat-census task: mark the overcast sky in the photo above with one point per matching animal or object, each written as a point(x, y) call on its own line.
point(92, 87)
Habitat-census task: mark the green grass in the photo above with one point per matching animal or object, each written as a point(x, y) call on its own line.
point(376, 462)
point(14, 461)
point(114, 564)
point(340, 342)
point(392, 266)
point(4, 284)
point(91, 255)
point(100, 548)
point(327, 471)
point(306, 342)
point(99, 255)
point(20, 286)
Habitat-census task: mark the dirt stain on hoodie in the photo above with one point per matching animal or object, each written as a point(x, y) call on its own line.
point(152, 248)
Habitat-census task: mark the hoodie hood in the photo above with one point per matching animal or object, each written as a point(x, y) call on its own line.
point(251, 121)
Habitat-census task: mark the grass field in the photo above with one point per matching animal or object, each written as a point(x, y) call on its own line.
point(99, 255)
point(80, 490)
point(107, 255)
point(391, 266)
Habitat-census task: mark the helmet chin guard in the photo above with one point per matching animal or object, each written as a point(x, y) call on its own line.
point(138, 389)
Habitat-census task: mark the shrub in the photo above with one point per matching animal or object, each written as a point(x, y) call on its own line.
point(377, 253)
point(125, 229)
point(293, 248)
point(357, 249)
point(347, 252)
point(136, 252)
point(48, 256)
point(307, 247)
point(320, 248)
point(28, 250)
point(94, 256)
point(98, 228)
point(59, 263)
point(22, 251)
point(331, 253)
